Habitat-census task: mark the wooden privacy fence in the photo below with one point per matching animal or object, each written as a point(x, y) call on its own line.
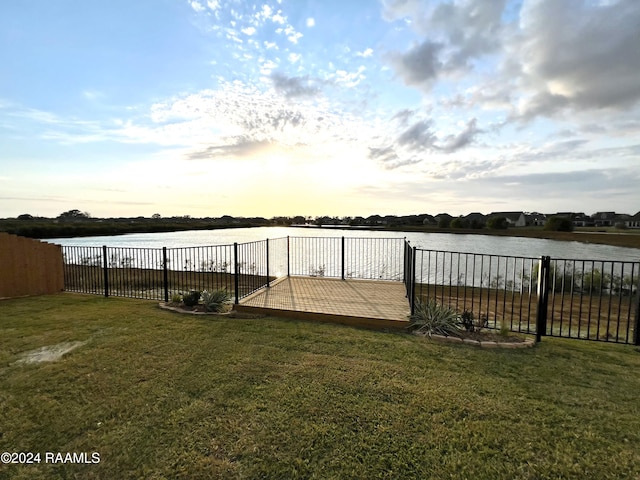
point(29, 267)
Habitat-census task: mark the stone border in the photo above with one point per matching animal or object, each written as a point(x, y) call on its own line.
point(528, 342)
point(231, 314)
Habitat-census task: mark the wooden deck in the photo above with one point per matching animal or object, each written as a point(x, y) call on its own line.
point(362, 303)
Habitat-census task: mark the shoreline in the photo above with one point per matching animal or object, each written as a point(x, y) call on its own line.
point(616, 239)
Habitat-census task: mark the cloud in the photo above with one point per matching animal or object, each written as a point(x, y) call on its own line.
point(579, 56)
point(241, 146)
point(417, 137)
point(310, 22)
point(278, 18)
point(413, 144)
point(403, 116)
point(383, 154)
point(213, 4)
point(569, 56)
point(453, 143)
point(292, 35)
point(349, 79)
point(420, 66)
point(294, 57)
point(454, 34)
point(293, 87)
point(365, 53)
point(248, 30)
point(197, 6)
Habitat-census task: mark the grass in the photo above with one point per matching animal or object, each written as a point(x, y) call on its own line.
point(163, 395)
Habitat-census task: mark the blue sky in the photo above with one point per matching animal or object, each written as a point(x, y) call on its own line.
point(296, 107)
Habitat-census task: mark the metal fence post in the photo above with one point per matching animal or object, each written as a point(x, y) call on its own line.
point(412, 273)
point(105, 267)
point(288, 267)
point(342, 257)
point(165, 274)
point(636, 328)
point(235, 270)
point(543, 297)
point(267, 246)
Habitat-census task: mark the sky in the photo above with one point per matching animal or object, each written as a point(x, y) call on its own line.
point(319, 107)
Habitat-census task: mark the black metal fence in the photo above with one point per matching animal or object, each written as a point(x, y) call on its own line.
point(585, 299)
point(346, 257)
point(240, 268)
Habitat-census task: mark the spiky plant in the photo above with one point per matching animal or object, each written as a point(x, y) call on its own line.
point(432, 318)
point(214, 301)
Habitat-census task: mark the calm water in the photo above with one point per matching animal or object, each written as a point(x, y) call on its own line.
point(483, 244)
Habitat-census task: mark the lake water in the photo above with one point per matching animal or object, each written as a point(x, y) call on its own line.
point(481, 244)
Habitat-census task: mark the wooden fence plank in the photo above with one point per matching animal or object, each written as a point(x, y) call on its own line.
point(29, 267)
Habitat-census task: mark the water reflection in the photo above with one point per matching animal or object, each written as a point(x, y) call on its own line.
point(481, 244)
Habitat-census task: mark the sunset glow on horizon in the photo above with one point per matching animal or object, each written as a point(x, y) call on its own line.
point(283, 107)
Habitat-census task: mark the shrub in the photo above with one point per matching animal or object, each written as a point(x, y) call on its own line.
point(176, 298)
point(458, 222)
point(497, 223)
point(191, 299)
point(467, 321)
point(214, 301)
point(432, 318)
point(470, 324)
point(444, 222)
point(559, 224)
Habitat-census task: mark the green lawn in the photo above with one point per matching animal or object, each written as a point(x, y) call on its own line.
point(163, 395)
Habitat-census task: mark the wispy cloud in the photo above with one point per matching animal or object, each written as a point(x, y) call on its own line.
point(488, 95)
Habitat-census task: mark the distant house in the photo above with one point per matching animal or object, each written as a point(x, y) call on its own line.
point(579, 219)
point(428, 219)
point(514, 219)
point(475, 220)
point(443, 219)
point(604, 219)
point(390, 220)
point(374, 220)
point(633, 221)
point(536, 219)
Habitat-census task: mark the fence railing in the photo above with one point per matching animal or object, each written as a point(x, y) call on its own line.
point(593, 299)
point(586, 299)
point(240, 268)
point(346, 257)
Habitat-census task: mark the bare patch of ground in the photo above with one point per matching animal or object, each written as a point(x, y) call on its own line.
point(50, 353)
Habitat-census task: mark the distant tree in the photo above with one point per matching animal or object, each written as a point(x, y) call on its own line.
point(74, 215)
point(25, 216)
point(156, 216)
point(559, 224)
point(458, 222)
point(497, 223)
point(476, 224)
point(444, 222)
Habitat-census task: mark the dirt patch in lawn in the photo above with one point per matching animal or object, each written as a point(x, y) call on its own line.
point(50, 353)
